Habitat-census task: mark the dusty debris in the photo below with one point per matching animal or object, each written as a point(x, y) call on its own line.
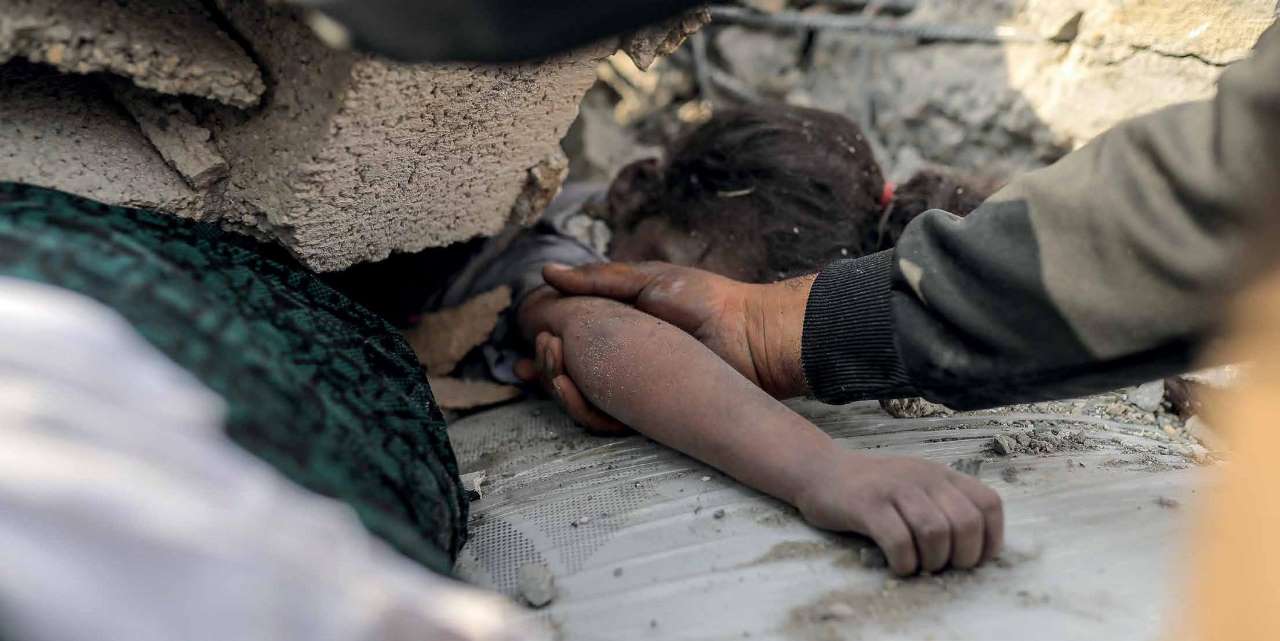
point(182, 142)
point(792, 550)
point(1168, 503)
point(646, 45)
point(914, 408)
point(536, 584)
point(541, 186)
point(472, 484)
point(66, 131)
point(1147, 397)
point(971, 466)
point(461, 394)
point(827, 617)
point(1040, 441)
point(173, 47)
point(443, 338)
point(1009, 474)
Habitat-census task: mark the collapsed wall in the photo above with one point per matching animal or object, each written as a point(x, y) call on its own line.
point(1002, 108)
point(240, 114)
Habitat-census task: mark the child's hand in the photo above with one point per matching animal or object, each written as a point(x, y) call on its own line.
point(924, 516)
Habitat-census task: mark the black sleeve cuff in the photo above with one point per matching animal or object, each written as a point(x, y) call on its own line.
point(848, 350)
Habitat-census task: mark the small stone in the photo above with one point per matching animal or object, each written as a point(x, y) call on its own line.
point(871, 557)
point(536, 583)
point(706, 478)
point(1009, 474)
point(580, 521)
point(1003, 445)
point(718, 514)
point(1168, 503)
point(1148, 397)
point(617, 571)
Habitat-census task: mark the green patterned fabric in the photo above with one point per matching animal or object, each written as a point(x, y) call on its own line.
point(316, 385)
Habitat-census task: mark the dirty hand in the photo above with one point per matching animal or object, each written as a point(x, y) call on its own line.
point(541, 314)
point(547, 367)
point(924, 516)
point(755, 328)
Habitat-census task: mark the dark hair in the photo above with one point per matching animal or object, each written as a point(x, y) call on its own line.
point(930, 189)
point(804, 180)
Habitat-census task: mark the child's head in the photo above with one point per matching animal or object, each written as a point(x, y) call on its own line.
point(762, 193)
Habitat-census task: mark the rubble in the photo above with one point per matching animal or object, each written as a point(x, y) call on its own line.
point(172, 47)
point(460, 394)
point(65, 131)
point(441, 339)
point(347, 159)
point(1147, 397)
point(537, 584)
point(173, 131)
point(1040, 441)
point(646, 45)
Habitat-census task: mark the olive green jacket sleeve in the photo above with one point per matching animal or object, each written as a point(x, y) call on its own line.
point(1107, 268)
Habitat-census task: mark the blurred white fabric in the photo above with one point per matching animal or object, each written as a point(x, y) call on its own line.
point(125, 513)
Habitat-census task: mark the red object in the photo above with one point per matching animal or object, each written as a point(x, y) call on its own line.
point(886, 196)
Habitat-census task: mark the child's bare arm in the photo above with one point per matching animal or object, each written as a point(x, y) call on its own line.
point(664, 383)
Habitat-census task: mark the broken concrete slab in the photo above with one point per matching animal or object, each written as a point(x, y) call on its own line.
point(65, 131)
point(462, 394)
point(349, 159)
point(354, 157)
point(173, 47)
point(646, 45)
point(443, 338)
point(173, 130)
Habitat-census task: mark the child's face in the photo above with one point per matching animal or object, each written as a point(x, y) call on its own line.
point(715, 248)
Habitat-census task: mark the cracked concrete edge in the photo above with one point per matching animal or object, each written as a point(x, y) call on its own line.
point(174, 47)
point(542, 184)
point(648, 44)
point(184, 144)
point(65, 132)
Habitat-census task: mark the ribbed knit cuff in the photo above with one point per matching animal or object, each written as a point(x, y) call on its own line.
point(848, 350)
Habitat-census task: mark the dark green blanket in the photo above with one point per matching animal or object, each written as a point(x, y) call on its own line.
point(316, 385)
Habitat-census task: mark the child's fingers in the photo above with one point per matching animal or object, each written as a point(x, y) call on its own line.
point(583, 412)
point(991, 506)
point(929, 527)
point(891, 533)
point(549, 357)
point(966, 525)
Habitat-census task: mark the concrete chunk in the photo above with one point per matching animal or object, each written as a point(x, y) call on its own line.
point(646, 45)
point(65, 132)
point(173, 46)
point(183, 143)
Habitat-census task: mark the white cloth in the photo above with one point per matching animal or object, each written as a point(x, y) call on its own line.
point(125, 513)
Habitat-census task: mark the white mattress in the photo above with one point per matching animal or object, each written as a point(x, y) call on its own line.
point(640, 549)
